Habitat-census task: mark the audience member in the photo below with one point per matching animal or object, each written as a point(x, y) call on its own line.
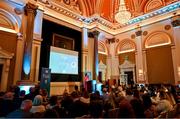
point(37, 105)
point(7, 104)
point(163, 105)
point(23, 112)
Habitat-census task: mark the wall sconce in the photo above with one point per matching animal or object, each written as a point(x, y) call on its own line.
point(140, 72)
point(179, 71)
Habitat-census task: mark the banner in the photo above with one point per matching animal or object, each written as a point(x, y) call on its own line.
point(45, 79)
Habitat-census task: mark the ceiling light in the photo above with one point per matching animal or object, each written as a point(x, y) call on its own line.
point(123, 15)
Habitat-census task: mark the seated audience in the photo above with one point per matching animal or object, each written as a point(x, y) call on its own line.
point(7, 104)
point(163, 105)
point(50, 113)
point(31, 94)
point(23, 112)
point(149, 108)
point(37, 105)
point(125, 109)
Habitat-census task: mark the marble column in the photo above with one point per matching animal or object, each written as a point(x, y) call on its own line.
point(139, 57)
point(30, 12)
point(84, 49)
point(19, 58)
point(145, 66)
point(95, 63)
point(36, 46)
point(108, 62)
point(176, 48)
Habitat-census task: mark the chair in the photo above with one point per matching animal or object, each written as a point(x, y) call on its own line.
point(38, 115)
point(113, 113)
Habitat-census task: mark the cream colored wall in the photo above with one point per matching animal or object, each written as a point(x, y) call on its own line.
point(160, 65)
point(14, 40)
point(58, 88)
point(8, 42)
point(152, 28)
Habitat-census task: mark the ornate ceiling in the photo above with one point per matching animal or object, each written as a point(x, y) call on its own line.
point(101, 13)
point(108, 8)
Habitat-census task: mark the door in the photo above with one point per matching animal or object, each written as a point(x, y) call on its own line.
point(100, 77)
point(129, 77)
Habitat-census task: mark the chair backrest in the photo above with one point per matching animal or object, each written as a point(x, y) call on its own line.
point(163, 115)
point(113, 113)
point(171, 114)
point(38, 115)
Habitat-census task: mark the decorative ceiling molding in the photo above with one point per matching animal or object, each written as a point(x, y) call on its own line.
point(153, 4)
point(69, 14)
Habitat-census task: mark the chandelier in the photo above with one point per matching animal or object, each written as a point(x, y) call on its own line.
point(123, 15)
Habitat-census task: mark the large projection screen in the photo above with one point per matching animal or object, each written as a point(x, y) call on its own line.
point(63, 61)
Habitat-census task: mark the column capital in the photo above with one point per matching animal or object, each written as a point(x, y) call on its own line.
point(138, 33)
point(19, 36)
point(94, 34)
point(110, 40)
point(176, 21)
point(30, 8)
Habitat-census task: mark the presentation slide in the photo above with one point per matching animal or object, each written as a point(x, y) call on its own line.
point(26, 88)
point(63, 61)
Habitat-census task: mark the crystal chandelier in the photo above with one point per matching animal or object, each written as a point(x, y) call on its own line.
point(123, 15)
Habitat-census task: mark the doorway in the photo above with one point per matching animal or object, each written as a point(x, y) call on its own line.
point(100, 77)
point(129, 77)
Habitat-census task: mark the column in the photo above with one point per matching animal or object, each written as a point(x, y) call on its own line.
point(84, 60)
point(19, 58)
point(112, 61)
point(115, 66)
point(5, 73)
point(108, 62)
point(176, 47)
point(84, 49)
point(95, 63)
point(139, 57)
point(36, 49)
point(145, 67)
point(30, 12)
point(36, 46)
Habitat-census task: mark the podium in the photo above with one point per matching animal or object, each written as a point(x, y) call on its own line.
point(91, 86)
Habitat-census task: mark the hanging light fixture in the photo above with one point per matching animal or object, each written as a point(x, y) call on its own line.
point(123, 15)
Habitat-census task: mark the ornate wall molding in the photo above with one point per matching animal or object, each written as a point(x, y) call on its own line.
point(102, 48)
point(7, 20)
point(5, 58)
point(157, 38)
point(125, 45)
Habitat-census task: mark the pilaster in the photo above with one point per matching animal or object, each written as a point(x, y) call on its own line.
point(30, 12)
point(139, 57)
point(175, 48)
point(19, 58)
